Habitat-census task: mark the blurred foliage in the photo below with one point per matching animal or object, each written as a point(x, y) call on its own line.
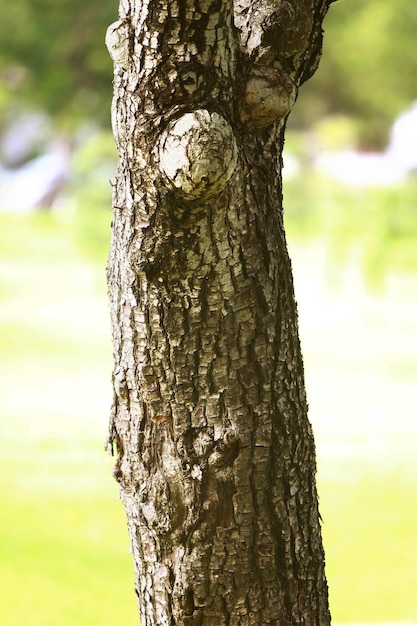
point(367, 70)
point(378, 225)
point(92, 167)
point(53, 57)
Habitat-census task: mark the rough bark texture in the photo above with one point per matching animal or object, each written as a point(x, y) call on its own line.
point(215, 454)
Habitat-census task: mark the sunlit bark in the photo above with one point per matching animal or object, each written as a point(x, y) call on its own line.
point(215, 454)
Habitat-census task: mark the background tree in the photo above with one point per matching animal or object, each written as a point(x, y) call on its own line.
point(216, 459)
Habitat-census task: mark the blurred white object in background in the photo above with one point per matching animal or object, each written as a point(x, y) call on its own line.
point(37, 183)
point(403, 141)
point(361, 169)
point(370, 169)
point(34, 165)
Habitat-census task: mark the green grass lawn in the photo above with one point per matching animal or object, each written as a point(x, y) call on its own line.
point(369, 522)
point(64, 547)
point(63, 539)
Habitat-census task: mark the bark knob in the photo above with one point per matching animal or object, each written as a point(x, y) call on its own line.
point(268, 97)
point(117, 42)
point(198, 154)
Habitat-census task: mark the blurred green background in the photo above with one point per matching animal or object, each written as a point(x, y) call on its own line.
point(351, 215)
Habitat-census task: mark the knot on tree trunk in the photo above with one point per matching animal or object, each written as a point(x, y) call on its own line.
point(268, 97)
point(117, 42)
point(197, 154)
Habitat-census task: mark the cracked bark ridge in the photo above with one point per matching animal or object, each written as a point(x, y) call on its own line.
point(215, 454)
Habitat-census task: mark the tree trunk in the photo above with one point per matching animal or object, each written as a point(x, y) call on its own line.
point(216, 458)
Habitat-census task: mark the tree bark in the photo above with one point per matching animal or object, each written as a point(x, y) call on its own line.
point(215, 453)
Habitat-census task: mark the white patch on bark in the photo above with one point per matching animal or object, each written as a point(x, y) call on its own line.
point(248, 19)
point(198, 153)
point(124, 7)
point(117, 42)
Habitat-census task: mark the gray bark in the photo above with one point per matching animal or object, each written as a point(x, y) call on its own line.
point(215, 453)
